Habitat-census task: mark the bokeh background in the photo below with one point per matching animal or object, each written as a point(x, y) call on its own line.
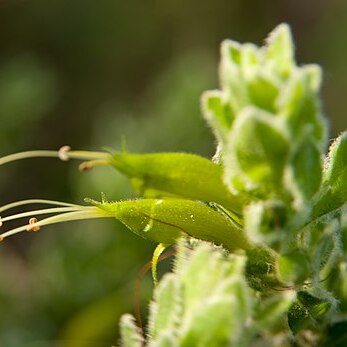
point(89, 73)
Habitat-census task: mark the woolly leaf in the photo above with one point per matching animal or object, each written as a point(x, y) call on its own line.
point(217, 113)
point(334, 190)
point(199, 285)
point(216, 300)
point(263, 91)
point(232, 77)
point(130, 335)
point(298, 317)
point(308, 310)
point(257, 151)
point(298, 103)
point(317, 307)
point(166, 339)
point(323, 252)
point(265, 220)
point(260, 268)
point(164, 310)
point(214, 324)
point(306, 165)
point(279, 51)
point(201, 308)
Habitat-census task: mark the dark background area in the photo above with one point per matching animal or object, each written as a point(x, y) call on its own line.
point(87, 73)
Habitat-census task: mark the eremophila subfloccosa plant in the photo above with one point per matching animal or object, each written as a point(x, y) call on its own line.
point(265, 219)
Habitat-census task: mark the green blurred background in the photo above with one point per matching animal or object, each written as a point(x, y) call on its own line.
point(87, 73)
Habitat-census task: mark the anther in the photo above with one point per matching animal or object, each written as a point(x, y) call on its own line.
point(85, 166)
point(32, 225)
point(63, 153)
point(0, 223)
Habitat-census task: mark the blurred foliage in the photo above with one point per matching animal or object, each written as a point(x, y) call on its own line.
point(86, 73)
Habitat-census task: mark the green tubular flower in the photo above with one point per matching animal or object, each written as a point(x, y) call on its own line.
point(156, 175)
point(160, 220)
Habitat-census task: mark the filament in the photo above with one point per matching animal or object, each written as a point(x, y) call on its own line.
point(38, 212)
point(84, 212)
point(64, 153)
point(65, 212)
point(27, 154)
point(36, 201)
point(87, 165)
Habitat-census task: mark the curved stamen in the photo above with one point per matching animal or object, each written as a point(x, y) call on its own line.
point(87, 165)
point(36, 201)
point(89, 155)
point(85, 212)
point(27, 154)
point(38, 212)
point(64, 153)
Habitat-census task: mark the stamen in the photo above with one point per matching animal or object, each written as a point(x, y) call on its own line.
point(88, 155)
point(87, 165)
point(25, 155)
point(43, 211)
point(64, 153)
point(85, 212)
point(36, 201)
point(32, 226)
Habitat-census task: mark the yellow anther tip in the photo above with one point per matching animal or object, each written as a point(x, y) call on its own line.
point(63, 153)
point(85, 166)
